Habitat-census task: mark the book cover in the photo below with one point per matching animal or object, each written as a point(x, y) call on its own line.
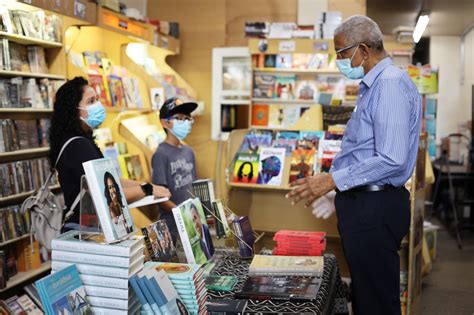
point(28, 305)
point(270, 61)
point(264, 86)
point(91, 243)
point(63, 292)
point(260, 115)
point(111, 206)
point(194, 234)
point(204, 190)
point(159, 242)
point(276, 116)
point(328, 149)
point(288, 144)
point(157, 97)
point(246, 239)
point(271, 165)
point(177, 271)
point(284, 61)
point(285, 87)
point(112, 153)
point(255, 140)
point(130, 166)
point(228, 307)
point(280, 288)
point(222, 222)
point(102, 260)
point(117, 94)
point(146, 307)
point(144, 288)
point(246, 168)
point(301, 164)
point(221, 283)
point(291, 116)
point(107, 282)
point(306, 90)
point(264, 265)
point(97, 83)
point(309, 140)
point(301, 61)
point(102, 271)
point(131, 89)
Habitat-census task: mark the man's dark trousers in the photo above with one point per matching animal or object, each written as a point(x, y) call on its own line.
point(372, 225)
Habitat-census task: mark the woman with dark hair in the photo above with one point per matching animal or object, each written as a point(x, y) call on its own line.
point(77, 111)
point(113, 196)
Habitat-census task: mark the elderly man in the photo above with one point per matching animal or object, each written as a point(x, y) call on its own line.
point(378, 156)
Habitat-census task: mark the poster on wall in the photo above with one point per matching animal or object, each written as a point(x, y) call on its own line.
point(425, 78)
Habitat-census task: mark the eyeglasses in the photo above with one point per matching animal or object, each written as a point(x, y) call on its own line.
point(185, 118)
point(341, 50)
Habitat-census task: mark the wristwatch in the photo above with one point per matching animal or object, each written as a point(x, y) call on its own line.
point(147, 189)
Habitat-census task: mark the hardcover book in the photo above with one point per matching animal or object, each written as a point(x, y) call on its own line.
point(246, 239)
point(285, 87)
point(280, 288)
point(101, 260)
point(204, 190)
point(301, 164)
point(291, 116)
point(131, 89)
point(194, 234)
point(271, 165)
point(130, 166)
point(63, 293)
point(246, 168)
point(91, 243)
point(264, 265)
point(301, 61)
point(109, 201)
point(159, 242)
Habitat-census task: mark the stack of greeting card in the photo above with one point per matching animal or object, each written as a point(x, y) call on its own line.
point(104, 269)
point(189, 282)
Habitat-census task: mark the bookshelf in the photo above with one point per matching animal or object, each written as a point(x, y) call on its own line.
point(283, 102)
point(25, 40)
point(23, 154)
point(12, 74)
point(22, 277)
point(19, 198)
point(298, 71)
point(259, 187)
point(13, 240)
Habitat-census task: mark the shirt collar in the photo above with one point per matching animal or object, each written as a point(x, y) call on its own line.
point(370, 77)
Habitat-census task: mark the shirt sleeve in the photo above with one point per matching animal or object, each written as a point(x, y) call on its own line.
point(391, 119)
point(159, 164)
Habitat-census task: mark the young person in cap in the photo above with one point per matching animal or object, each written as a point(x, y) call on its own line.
point(173, 163)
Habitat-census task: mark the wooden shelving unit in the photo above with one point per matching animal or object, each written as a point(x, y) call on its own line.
point(23, 154)
point(18, 198)
point(298, 71)
point(283, 102)
point(24, 40)
point(5, 73)
point(259, 187)
point(25, 276)
point(14, 240)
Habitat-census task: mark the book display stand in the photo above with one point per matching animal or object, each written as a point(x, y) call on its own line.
point(88, 219)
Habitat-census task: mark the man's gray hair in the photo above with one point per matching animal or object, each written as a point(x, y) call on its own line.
point(361, 29)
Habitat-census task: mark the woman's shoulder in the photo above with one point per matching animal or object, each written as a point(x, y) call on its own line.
point(81, 146)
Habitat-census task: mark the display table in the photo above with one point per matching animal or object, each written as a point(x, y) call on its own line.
point(330, 299)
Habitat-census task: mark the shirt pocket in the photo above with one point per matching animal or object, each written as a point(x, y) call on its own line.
point(352, 127)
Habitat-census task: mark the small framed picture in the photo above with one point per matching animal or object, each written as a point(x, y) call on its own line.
point(157, 97)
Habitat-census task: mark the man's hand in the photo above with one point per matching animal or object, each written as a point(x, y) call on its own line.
point(311, 188)
point(161, 192)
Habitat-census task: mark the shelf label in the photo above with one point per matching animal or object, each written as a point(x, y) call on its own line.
point(287, 46)
point(116, 22)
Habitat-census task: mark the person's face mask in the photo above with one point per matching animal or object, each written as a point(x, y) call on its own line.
point(181, 128)
point(345, 66)
point(95, 114)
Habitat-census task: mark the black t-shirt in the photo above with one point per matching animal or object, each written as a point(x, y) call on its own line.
point(70, 170)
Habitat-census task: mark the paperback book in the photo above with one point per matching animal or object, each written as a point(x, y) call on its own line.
point(222, 226)
point(159, 243)
point(255, 140)
point(285, 87)
point(301, 164)
point(271, 165)
point(245, 168)
point(307, 90)
point(109, 201)
point(276, 116)
point(309, 140)
point(264, 265)
point(264, 86)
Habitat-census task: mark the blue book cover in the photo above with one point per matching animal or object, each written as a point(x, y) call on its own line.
point(431, 126)
point(255, 140)
point(148, 295)
point(309, 140)
point(284, 61)
point(63, 293)
point(146, 308)
point(430, 107)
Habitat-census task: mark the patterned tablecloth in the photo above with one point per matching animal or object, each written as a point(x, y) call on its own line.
point(330, 299)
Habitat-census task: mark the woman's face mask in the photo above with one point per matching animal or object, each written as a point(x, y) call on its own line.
point(95, 114)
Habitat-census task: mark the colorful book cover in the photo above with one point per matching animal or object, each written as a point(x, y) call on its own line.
point(287, 135)
point(288, 144)
point(144, 288)
point(328, 149)
point(291, 116)
point(270, 61)
point(260, 115)
point(132, 92)
point(176, 271)
point(263, 86)
point(300, 61)
point(97, 83)
point(157, 97)
point(117, 94)
point(246, 168)
point(255, 140)
point(271, 165)
point(193, 231)
point(310, 139)
point(263, 265)
point(159, 242)
point(301, 164)
point(127, 166)
point(318, 61)
point(110, 203)
point(285, 87)
point(306, 90)
point(112, 153)
point(276, 116)
point(284, 61)
point(63, 293)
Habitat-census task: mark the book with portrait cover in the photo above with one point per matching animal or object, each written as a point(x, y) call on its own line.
point(271, 165)
point(193, 231)
point(63, 293)
point(109, 200)
point(245, 168)
point(301, 164)
point(117, 93)
point(159, 242)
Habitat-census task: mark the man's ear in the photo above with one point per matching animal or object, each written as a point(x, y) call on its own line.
point(365, 50)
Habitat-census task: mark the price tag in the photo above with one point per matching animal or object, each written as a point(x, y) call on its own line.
point(287, 46)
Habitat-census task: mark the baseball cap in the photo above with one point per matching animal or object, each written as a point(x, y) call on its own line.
point(174, 106)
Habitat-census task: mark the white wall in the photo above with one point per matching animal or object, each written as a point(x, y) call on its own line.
point(466, 88)
point(445, 53)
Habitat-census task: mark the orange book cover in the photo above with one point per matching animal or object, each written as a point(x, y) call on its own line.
point(27, 259)
point(260, 115)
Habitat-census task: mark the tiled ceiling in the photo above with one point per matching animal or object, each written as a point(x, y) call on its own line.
point(448, 17)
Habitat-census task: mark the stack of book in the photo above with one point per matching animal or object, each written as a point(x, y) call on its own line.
point(189, 282)
point(307, 266)
point(103, 269)
point(299, 243)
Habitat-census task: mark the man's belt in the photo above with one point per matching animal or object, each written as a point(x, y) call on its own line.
point(369, 188)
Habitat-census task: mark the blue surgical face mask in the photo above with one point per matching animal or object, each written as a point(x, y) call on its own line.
point(95, 114)
point(345, 66)
point(181, 128)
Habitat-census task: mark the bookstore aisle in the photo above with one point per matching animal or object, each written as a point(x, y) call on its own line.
point(207, 147)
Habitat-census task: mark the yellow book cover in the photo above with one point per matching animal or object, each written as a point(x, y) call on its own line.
point(264, 265)
point(106, 71)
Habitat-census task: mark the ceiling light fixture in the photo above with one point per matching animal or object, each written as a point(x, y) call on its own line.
point(420, 27)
